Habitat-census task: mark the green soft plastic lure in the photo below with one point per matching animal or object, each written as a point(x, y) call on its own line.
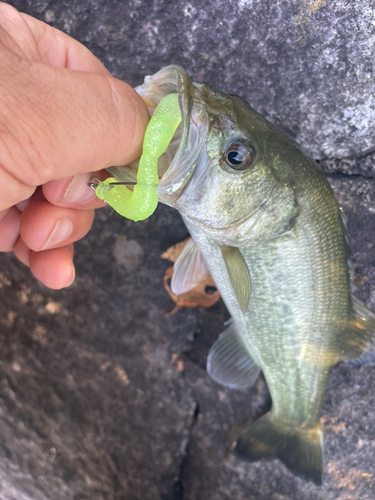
point(142, 202)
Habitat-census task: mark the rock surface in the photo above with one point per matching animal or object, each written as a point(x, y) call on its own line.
point(307, 65)
point(95, 401)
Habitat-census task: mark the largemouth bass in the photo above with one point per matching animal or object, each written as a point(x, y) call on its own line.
point(265, 223)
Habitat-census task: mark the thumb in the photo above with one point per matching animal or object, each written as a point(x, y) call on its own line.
point(61, 122)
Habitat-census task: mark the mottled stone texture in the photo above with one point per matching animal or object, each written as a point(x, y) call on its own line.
point(92, 404)
point(307, 65)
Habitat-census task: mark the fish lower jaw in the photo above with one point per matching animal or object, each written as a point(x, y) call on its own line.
point(231, 235)
point(225, 235)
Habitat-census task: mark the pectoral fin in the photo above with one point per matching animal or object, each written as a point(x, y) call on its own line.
point(189, 269)
point(229, 362)
point(238, 274)
point(357, 338)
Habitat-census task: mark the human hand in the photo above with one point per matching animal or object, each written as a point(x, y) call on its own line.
point(62, 117)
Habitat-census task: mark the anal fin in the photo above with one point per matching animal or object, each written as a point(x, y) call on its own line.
point(229, 362)
point(358, 336)
point(299, 449)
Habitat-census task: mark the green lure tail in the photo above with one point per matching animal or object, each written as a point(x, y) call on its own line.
point(142, 202)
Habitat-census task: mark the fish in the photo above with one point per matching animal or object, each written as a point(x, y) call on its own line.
point(265, 223)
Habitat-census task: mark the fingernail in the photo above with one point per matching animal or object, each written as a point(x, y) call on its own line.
point(78, 190)
point(62, 230)
point(71, 276)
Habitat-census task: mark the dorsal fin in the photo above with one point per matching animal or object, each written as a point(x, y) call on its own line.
point(238, 274)
point(344, 221)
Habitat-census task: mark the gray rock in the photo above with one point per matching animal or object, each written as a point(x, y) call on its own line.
point(93, 404)
point(128, 253)
point(308, 66)
point(363, 166)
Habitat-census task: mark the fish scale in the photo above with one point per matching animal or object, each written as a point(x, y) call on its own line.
point(299, 304)
point(265, 222)
point(318, 295)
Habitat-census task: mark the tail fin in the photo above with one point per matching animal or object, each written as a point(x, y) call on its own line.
point(300, 450)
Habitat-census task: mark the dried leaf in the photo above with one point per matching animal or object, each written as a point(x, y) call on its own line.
point(196, 297)
point(174, 251)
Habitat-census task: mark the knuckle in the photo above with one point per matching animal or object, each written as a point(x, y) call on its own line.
point(24, 133)
point(21, 161)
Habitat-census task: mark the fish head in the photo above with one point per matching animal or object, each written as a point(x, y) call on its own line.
point(227, 169)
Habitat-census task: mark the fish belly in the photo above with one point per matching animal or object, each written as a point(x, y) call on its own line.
point(299, 305)
point(298, 308)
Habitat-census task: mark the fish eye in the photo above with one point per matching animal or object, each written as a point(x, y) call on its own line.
point(239, 155)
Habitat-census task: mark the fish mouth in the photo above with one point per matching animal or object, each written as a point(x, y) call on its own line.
point(178, 164)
